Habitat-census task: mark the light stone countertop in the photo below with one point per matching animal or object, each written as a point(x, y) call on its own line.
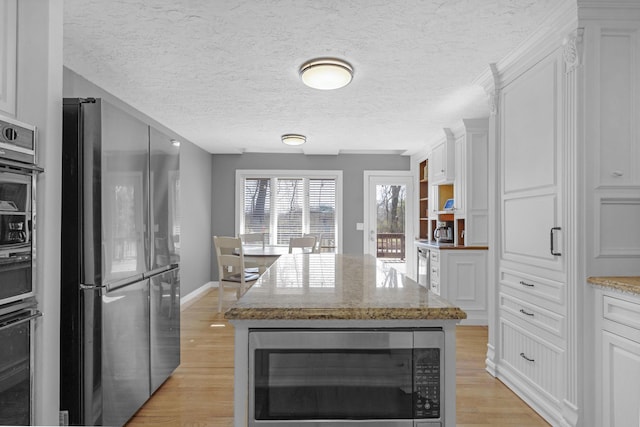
point(629, 284)
point(338, 287)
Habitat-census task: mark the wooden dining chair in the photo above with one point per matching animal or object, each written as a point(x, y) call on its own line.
point(231, 267)
point(253, 239)
point(306, 244)
point(317, 246)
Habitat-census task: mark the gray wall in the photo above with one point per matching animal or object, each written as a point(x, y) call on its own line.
point(351, 165)
point(195, 188)
point(196, 252)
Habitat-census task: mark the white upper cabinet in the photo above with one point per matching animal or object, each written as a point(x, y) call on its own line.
point(8, 58)
point(441, 161)
point(618, 96)
point(471, 189)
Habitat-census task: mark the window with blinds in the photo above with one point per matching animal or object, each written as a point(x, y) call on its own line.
point(285, 207)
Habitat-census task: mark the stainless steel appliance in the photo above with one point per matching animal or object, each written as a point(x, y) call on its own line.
point(444, 232)
point(342, 377)
point(423, 266)
point(16, 361)
point(18, 307)
point(120, 283)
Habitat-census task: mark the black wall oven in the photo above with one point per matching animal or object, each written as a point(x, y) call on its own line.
point(346, 377)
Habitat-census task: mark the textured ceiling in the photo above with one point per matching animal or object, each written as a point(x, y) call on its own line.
point(224, 74)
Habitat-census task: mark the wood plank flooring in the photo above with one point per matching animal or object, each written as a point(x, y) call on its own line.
point(200, 392)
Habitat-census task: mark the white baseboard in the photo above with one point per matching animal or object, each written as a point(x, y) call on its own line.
point(193, 296)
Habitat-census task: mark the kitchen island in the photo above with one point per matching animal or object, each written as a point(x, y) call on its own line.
point(335, 293)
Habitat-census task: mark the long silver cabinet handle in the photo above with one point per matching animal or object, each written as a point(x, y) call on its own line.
point(526, 358)
point(552, 249)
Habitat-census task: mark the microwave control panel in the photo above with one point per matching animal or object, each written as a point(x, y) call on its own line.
point(426, 383)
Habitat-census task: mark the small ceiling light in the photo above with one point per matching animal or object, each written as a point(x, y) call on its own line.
point(326, 73)
point(175, 143)
point(293, 139)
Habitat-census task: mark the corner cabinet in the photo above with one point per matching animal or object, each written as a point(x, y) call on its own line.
point(618, 358)
point(8, 56)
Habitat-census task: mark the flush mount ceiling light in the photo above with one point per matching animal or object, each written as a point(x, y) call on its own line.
point(175, 143)
point(293, 139)
point(326, 73)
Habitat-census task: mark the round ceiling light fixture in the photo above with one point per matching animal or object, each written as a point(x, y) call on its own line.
point(326, 73)
point(293, 139)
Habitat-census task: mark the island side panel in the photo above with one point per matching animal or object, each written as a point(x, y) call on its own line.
point(241, 375)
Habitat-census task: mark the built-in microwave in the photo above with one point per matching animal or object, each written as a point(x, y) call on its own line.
point(338, 377)
point(16, 227)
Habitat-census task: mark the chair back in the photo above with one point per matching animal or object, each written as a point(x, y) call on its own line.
point(230, 258)
point(306, 244)
point(252, 239)
point(318, 245)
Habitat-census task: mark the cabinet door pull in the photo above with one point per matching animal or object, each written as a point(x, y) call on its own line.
point(523, 283)
point(553, 251)
point(525, 312)
point(526, 358)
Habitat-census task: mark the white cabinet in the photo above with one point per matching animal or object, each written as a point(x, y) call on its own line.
point(8, 58)
point(618, 337)
point(471, 184)
point(441, 160)
point(460, 276)
point(531, 308)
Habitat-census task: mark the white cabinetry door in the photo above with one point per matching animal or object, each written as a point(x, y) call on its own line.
point(441, 161)
point(621, 381)
point(531, 171)
point(8, 58)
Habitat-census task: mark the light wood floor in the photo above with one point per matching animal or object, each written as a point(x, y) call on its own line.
point(200, 392)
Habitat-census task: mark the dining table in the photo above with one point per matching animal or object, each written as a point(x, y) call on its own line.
point(263, 256)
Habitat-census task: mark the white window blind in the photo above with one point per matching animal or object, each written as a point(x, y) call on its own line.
point(257, 205)
point(289, 205)
point(322, 211)
point(286, 206)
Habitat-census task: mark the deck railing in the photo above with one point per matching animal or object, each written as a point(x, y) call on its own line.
point(390, 245)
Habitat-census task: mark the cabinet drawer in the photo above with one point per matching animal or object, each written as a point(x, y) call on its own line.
point(534, 359)
point(435, 257)
point(531, 314)
point(620, 311)
point(535, 289)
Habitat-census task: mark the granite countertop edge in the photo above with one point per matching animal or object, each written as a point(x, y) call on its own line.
point(446, 313)
point(626, 284)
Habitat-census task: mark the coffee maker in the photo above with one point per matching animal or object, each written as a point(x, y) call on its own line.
point(444, 232)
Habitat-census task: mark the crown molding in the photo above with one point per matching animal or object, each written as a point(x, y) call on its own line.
point(608, 10)
point(548, 37)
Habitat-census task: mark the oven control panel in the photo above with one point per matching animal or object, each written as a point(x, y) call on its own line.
point(426, 383)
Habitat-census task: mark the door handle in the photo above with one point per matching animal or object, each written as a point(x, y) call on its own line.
point(551, 243)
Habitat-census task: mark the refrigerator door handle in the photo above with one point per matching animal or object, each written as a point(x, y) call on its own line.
point(98, 288)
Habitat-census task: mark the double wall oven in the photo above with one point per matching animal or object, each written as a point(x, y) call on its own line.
point(18, 306)
point(343, 377)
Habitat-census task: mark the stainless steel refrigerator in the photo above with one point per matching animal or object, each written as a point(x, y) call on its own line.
point(120, 277)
